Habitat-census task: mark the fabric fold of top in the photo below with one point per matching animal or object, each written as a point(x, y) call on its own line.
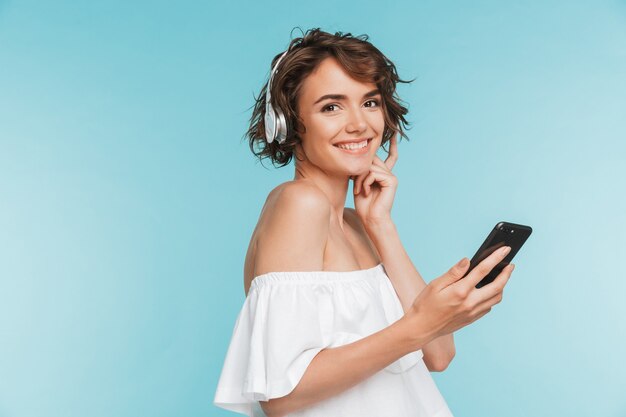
point(288, 317)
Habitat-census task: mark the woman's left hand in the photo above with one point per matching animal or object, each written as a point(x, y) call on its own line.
point(375, 190)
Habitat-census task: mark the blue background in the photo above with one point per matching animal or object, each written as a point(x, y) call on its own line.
point(127, 197)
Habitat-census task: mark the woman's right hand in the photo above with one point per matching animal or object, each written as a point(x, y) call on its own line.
point(449, 303)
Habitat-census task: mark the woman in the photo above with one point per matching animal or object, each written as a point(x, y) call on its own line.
point(326, 329)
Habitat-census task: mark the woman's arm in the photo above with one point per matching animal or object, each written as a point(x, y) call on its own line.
point(374, 193)
point(408, 283)
point(334, 370)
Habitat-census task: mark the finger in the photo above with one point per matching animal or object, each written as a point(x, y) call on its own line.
point(498, 284)
point(379, 166)
point(379, 175)
point(494, 297)
point(491, 293)
point(371, 179)
point(379, 163)
point(361, 179)
point(393, 152)
point(480, 315)
point(477, 314)
point(483, 268)
point(357, 183)
point(488, 303)
point(453, 274)
point(367, 182)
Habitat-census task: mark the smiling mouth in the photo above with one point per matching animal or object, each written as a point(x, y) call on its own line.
point(357, 147)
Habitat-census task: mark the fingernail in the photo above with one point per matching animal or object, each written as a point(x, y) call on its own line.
point(505, 250)
point(462, 263)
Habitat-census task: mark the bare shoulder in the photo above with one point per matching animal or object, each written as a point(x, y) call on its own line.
point(296, 222)
point(302, 194)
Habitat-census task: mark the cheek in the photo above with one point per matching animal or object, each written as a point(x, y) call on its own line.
point(377, 121)
point(326, 126)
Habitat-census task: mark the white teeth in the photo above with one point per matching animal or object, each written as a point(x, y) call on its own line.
point(353, 145)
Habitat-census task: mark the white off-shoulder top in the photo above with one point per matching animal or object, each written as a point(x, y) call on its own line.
point(288, 317)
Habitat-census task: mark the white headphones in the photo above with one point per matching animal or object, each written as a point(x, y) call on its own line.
point(275, 123)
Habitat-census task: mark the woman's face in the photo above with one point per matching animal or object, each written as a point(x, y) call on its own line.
point(335, 108)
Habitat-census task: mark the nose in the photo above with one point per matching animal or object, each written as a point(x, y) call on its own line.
point(356, 121)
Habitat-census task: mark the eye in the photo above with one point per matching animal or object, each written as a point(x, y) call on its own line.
point(330, 105)
point(373, 101)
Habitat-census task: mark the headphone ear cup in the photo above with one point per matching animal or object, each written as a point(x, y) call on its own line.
point(270, 124)
point(281, 126)
point(275, 123)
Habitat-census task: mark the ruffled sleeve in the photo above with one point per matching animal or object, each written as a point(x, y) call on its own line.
point(288, 318)
point(278, 332)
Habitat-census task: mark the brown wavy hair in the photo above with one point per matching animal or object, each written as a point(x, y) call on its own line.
point(362, 60)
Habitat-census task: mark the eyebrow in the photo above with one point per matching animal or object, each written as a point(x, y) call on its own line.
point(343, 97)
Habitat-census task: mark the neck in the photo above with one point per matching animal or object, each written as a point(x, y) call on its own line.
point(334, 186)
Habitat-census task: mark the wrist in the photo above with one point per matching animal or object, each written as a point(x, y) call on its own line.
point(415, 335)
point(379, 227)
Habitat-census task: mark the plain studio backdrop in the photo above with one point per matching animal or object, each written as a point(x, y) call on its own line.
point(127, 196)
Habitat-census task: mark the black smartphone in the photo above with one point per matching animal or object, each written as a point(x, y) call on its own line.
point(503, 234)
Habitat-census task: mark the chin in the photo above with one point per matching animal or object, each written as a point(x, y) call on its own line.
point(364, 170)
